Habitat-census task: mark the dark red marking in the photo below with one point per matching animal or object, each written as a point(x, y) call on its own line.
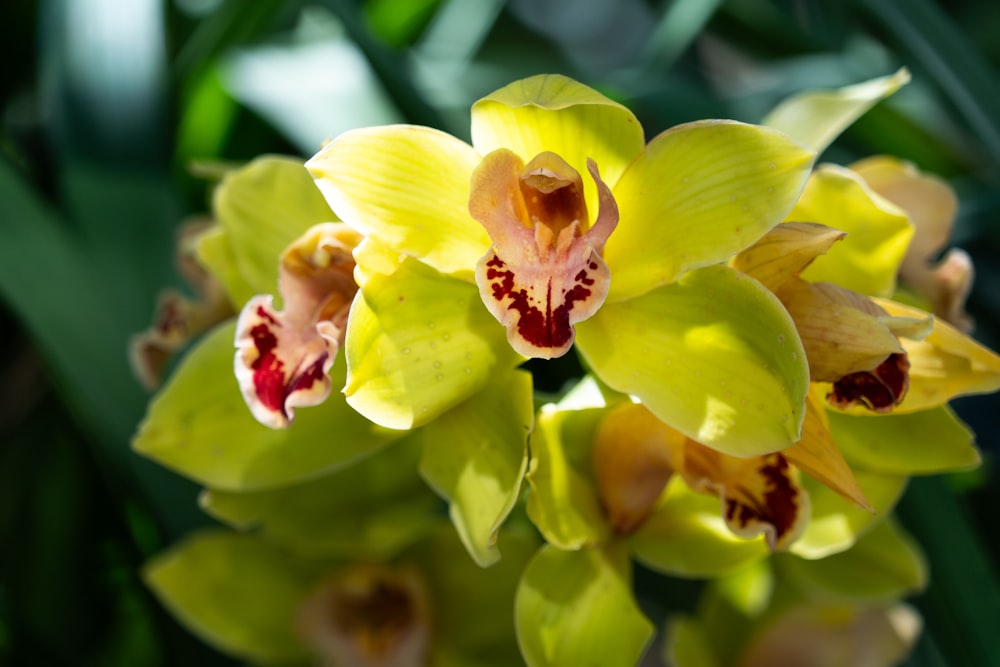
point(879, 390)
point(267, 316)
point(268, 373)
point(779, 508)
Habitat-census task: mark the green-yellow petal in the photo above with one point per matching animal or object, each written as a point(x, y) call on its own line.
point(687, 644)
point(916, 443)
point(883, 565)
point(714, 355)
point(878, 232)
point(408, 187)
point(577, 608)
point(236, 592)
point(215, 252)
point(687, 536)
point(199, 426)
point(554, 113)
point(475, 456)
point(262, 208)
point(837, 523)
point(381, 505)
point(564, 503)
point(697, 195)
point(816, 118)
point(419, 343)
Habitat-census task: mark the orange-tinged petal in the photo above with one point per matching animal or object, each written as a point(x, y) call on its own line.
point(817, 454)
point(785, 251)
point(840, 333)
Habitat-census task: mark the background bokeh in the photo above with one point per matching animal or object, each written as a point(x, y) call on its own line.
point(112, 112)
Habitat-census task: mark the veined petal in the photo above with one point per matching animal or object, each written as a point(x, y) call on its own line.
point(408, 187)
point(578, 608)
point(554, 113)
point(816, 118)
point(697, 195)
point(760, 495)
point(283, 357)
point(878, 232)
point(263, 207)
point(839, 334)
point(418, 343)
point(475, 456)
point(818, 455)
point(715, 356)
point(544, 272)
point(785, 251)
point(886, 443)
point(199, 426)
point(945, 364)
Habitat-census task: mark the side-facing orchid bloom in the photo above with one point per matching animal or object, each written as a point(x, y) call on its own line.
point(625, 263)
point(283, 357)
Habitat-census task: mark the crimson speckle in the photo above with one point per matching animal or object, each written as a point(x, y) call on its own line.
point(268, 370)
point(879, 390)
point(780, 506)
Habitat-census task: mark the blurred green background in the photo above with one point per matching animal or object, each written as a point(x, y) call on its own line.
point(106, 104)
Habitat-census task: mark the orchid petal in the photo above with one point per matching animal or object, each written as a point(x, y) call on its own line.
point(475, 456)
point(785, 251)
point(408, 187)
point(945, 364)
point(419, 343)
point(577, 608)
point(760, 495)
point(215, 252)
point(262, 208)
point(884, 565)
point(888, 443)
point(633, 461)
point(818, 455)
point(687, 537)
point(878, 232)
point(840, 331)
point(554, 113)
point(837, 523)
point(234, 591)
point(816, 118)
point(544, 272)
point(381, 504)
point(715, 356)
point(698, 194)
point(564, 504)
point(199, 426)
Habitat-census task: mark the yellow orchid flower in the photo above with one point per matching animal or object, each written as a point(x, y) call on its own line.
point(626, 264)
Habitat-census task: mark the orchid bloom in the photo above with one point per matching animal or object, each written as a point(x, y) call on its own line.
point(283, 357)
point(624, 262)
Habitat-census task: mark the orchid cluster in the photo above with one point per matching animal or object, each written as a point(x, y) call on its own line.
point(769, 351)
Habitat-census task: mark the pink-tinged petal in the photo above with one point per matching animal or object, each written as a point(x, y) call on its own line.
point(283, 357)
point(760, 495)
point(544, 273)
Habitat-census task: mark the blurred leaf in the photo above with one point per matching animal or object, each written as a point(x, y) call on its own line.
point(577, 608)
point(475, 456)
point(234, 591)
point(398, 22)
point(369, 510)
point(199, 425)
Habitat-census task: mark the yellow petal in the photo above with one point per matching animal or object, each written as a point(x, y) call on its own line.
point(785, 251)
point(408, 187)
point(878, 232)
point(697, 195)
